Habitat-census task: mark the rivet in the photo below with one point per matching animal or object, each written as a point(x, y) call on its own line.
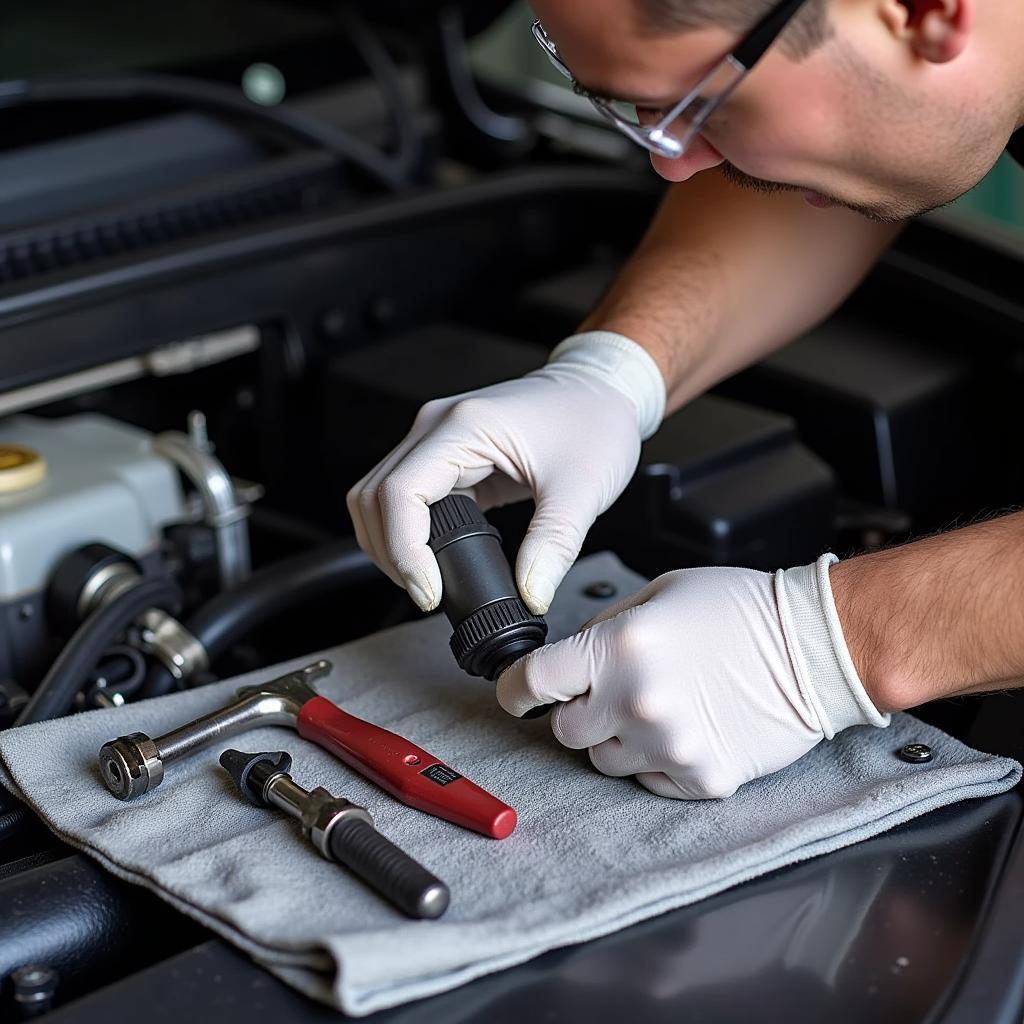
point(601, 590)
point(915, 753)
point(33, 987)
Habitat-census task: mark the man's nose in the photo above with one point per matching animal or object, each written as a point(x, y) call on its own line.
point(701, 156)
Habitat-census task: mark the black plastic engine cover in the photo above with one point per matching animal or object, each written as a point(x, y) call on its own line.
point(899, 421)
point(722, 483)
point(373, 394)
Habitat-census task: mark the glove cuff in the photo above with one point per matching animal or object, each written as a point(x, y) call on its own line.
point(623, 364)
point(818, 650)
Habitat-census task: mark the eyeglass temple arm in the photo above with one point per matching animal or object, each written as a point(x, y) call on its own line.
point(767, 30)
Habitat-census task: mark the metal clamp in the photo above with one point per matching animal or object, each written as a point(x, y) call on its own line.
point(163, 636)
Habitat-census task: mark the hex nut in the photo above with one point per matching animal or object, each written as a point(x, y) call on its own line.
point(323, 811)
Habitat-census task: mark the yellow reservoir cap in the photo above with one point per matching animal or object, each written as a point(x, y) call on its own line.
point(20, 468)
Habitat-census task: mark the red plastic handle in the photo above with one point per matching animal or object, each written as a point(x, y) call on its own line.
point(409, 773)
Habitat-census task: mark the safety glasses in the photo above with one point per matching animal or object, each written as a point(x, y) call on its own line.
point(674, 131)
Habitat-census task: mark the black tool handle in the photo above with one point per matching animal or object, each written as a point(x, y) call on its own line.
point(388, 869)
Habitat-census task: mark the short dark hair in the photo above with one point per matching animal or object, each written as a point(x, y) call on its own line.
point(805, 33)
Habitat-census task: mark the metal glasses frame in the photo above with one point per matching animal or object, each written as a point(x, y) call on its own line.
point(705, 97)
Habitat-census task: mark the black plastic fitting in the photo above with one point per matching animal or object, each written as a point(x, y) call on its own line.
point(251, 772)
point(73, 573)
point(492, 627)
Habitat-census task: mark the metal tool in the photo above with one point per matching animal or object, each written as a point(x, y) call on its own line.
point(134, 764)
point(341, 830)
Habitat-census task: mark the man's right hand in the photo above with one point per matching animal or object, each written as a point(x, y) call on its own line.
point(567, 435)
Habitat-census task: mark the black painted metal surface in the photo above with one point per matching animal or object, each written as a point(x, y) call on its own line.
point(886, 931)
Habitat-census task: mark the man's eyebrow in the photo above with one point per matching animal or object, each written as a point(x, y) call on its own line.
point(646, 101)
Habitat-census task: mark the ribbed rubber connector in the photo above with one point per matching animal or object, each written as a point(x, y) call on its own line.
point(492, 627)
point(454, 517)
point(486, 642)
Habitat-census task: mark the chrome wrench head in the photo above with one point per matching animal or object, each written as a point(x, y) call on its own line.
point(131, 765)
point(134, 764)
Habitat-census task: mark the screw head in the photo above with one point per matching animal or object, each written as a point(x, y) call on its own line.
point(915, 753)
point(601, 590)
point(33, 983)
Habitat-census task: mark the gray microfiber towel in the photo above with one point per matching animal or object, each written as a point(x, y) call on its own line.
point(591, 854)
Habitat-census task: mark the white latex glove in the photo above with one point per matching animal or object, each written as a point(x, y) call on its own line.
point(703, 680)
point(567, 435)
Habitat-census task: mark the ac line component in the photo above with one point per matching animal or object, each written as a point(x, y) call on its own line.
point(492, 627)
point(134, 764)
point(341, 831)
point(223, 510)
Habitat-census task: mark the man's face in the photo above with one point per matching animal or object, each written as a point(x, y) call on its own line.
point(862, 121)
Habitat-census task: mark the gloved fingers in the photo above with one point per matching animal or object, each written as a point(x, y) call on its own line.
point(584, 722)
point(548, 675)
point(691, 783)
point(499, 490)
point(364, 509)
point(450, 458)
point(421, 577)
point(618, 759)
point(661, 784)
point(615, 758)
point(633, 600)
point(664, 770)
point(552, 543)
point(405, 496)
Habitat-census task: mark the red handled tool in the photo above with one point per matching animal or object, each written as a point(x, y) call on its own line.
point(135, 764)
point(409, 773)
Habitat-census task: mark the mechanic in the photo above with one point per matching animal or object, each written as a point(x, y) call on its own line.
point(794, 172)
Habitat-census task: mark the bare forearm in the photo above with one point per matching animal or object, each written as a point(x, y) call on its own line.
point(939, 617)
point(726, 275)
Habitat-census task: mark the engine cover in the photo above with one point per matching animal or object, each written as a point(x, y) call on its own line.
point(66, 483)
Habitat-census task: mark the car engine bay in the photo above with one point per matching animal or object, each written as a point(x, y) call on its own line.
point(217, 316)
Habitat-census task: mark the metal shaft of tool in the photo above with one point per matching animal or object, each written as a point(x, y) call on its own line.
point(352, 840)
point(218, 725)
point(284, 792)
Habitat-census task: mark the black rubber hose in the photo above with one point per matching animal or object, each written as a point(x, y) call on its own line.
point(8, 802)
point(55, 695)
point(11, 822)
point(408, 141)
point(280, 587)
point(212, 97)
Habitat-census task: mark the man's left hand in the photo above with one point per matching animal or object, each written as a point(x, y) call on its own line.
point(701, 681)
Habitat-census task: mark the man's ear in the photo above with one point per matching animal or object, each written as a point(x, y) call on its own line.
point(936, 30)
